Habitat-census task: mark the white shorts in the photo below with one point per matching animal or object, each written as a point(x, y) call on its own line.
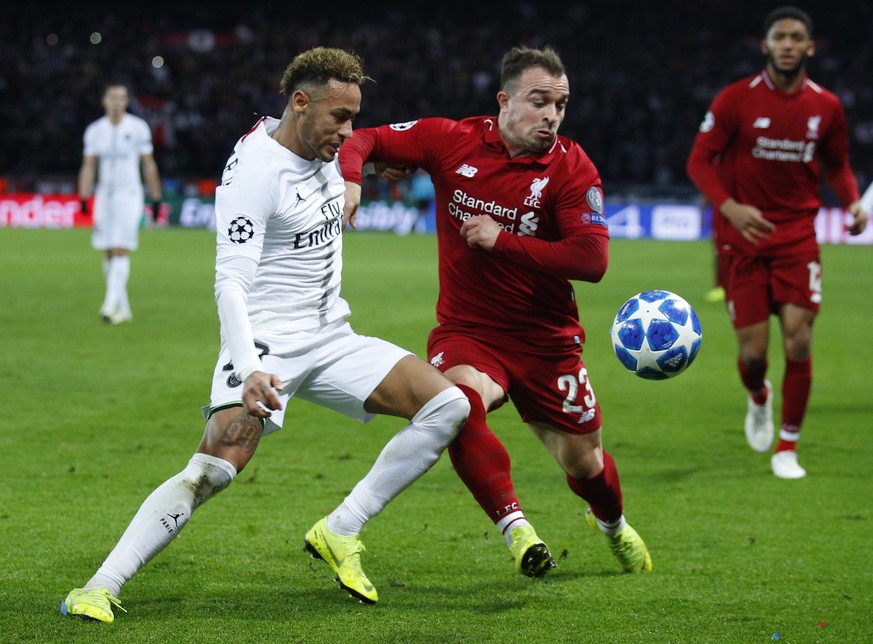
point(333, 367)
point(117, 217)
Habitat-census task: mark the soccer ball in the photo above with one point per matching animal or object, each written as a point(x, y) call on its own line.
point(656, 335)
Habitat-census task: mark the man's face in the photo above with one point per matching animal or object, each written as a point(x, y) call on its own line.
point(532, 108)
point(788, 46)
point(115, 101)
point(326, 119)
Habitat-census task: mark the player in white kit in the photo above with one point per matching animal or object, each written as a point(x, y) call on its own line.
point(279, 220)
point(117, 145)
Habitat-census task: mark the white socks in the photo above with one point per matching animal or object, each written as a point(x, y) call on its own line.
point(612, 529)
point(404, 459)
point(117, 271)
point(161, 517)
point(508, 523)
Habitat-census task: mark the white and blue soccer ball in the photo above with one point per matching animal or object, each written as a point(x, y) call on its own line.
point(656, 335)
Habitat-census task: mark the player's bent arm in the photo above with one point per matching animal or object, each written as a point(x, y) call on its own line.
point(747, 219)
point(701, 170)
point(353, 154)
point(352, 202)
point(860, 217)
point(412, 146)
point(233, 276)
point(583, 257)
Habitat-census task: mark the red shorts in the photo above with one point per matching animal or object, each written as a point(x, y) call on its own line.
point(755, 287)
point(551, 389)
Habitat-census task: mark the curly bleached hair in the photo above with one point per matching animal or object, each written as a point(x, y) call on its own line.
point(318, 66)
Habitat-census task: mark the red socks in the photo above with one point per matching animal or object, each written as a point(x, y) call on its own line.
point(795, 395)
point(482, 463)
point(602, 491)
point(753, 379)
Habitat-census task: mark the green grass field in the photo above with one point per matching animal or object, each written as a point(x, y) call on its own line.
point(97, 416)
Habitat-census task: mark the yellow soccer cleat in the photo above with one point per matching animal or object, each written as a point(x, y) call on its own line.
point(627, 546)
point(715, 295)
point(342, 554)
point(96, 604)
point(532, 556)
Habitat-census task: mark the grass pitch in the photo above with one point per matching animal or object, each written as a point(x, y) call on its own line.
point(97, 416)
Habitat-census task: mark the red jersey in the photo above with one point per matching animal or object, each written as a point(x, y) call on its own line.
point(764, 147)
point(550, 209)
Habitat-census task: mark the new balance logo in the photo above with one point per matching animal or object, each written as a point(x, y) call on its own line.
point(761, 123)
point(586, 416)
point(467, 171)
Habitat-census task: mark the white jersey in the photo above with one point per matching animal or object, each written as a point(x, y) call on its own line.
point(119, 149)
point(279, 244)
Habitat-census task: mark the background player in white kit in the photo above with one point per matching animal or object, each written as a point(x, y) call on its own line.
point(283, 333)
point(117, 145)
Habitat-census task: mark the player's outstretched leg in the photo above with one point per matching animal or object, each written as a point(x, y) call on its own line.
point(343, 555)
point(160, 518)
point(482, 463)
point(626, 544)
point(603, 494)
point(95, 604)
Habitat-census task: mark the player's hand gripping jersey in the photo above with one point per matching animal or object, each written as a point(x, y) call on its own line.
point(550, 209)
point(768, 145)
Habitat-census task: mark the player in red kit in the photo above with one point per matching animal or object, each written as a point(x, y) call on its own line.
point(757, 157)
point(519, 214)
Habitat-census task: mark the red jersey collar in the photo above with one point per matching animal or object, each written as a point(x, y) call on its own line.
point(491, 136)
point(765, 75)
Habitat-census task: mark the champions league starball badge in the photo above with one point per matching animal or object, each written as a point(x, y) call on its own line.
point(241, 230)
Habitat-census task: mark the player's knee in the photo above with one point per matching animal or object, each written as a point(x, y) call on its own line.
point(207, 476)
point(798, 344)
point(754, 359)
point(445, 413)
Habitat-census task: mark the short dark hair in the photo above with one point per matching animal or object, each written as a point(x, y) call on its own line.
point(115, 83)
point(780, 13)
point(319, 65)
point(519, 59)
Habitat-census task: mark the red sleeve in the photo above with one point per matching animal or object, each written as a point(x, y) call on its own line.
point(584, 257)
point(354, 152)
point(713, 138)
point(413, 143)
point(578, 246)
point(835, 159)
point(702, 171)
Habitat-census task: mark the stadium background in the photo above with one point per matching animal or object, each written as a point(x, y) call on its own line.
point(642, 76)
point(98, 416)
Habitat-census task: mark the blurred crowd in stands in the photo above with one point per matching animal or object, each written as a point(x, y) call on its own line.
point(642, 73)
